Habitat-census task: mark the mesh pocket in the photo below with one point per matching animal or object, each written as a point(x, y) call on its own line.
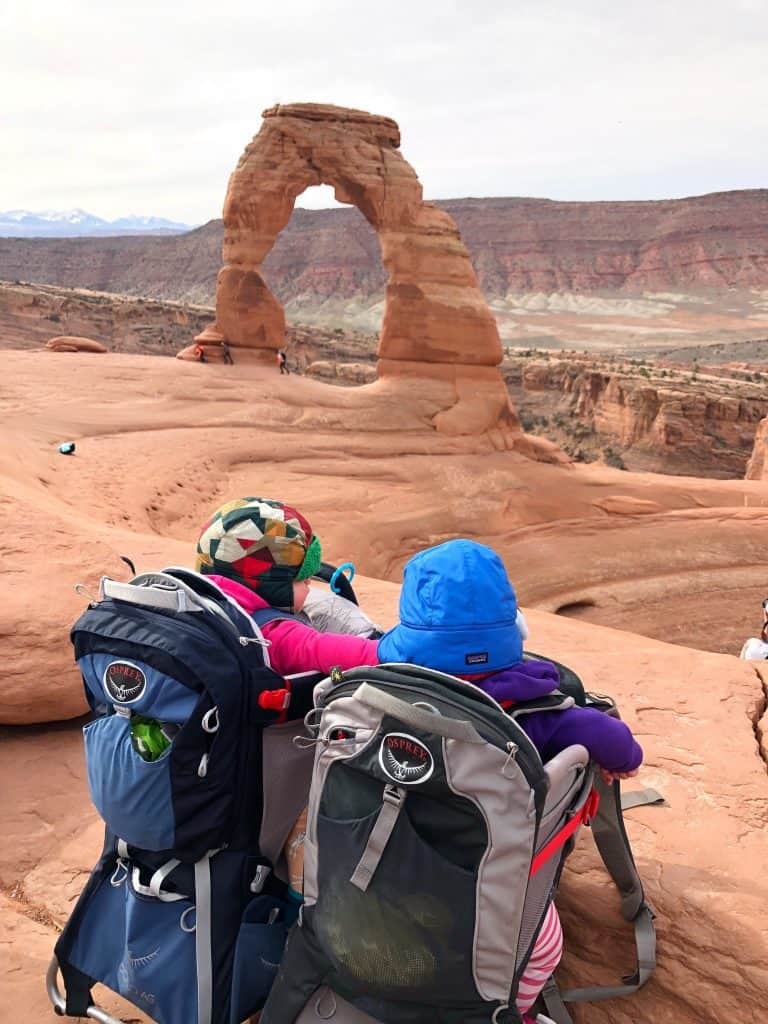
point(132, 795)
point(410, 934)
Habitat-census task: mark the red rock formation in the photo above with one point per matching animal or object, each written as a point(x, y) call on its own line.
point(713, 242)
point(435, 312)
point(71, 343)
point(757, 467)
point(679, 426)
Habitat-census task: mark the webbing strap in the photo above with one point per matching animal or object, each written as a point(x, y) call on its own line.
point(559, 839)
point(417, 717)
point(553, 1001)
point(203, 953)
point(392, 804)
point(640, 798)
point(645, 940)
point(160, 876)
point(613, 845)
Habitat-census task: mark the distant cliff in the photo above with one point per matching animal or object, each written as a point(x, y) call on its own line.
point(645, 417)
point(718, 241)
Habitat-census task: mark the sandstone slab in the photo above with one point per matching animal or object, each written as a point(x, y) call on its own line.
point(71, 343)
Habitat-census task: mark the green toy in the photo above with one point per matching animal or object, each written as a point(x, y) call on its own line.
point(150, 737)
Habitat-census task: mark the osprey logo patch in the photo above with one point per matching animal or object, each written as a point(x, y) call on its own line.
point(124, 682)
point(404, 759)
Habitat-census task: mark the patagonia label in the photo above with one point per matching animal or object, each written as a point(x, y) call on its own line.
point(481, 658)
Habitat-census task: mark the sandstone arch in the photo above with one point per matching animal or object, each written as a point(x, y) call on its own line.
point(434, 312)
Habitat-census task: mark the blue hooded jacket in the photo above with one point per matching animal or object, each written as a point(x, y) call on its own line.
point(458, 614)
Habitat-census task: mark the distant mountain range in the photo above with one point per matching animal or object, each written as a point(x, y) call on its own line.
point(81, 224)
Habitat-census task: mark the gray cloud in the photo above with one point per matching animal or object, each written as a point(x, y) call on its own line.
point(132, 107)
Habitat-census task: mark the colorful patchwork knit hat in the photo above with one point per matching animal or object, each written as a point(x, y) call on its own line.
point(262, 544)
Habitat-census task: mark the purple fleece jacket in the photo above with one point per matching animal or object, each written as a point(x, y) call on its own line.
point(609, 741)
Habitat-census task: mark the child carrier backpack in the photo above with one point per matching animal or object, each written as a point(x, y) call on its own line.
point(435, 842)
point(192, 767)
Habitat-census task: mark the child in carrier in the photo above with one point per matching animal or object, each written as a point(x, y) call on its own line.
point(262, 554)
point(458, 614)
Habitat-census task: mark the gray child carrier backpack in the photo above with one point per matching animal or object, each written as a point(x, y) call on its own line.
point(435, 842)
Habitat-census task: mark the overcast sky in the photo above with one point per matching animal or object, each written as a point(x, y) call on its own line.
point(144, 107)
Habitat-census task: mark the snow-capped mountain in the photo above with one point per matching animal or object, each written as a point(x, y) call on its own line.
point(74, 223)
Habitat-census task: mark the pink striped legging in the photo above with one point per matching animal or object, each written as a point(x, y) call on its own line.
point(543, 960)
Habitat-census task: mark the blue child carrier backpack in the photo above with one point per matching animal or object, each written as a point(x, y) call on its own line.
point(186, 912)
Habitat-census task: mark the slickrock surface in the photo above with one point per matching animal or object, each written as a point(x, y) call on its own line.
point(383, 470)
point(161, 443)
point(434, 311)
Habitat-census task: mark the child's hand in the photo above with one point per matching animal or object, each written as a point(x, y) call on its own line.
point(610, 777)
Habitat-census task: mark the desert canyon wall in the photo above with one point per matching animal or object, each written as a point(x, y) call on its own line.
point(517, 245)
point(653, 417)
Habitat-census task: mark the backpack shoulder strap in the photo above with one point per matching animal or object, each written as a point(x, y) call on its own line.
point(555, 701)
point(264, 615)
point(613, 845)
point(569, 683)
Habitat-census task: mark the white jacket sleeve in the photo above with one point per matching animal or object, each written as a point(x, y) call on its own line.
point(754, 650)
point(332, 613)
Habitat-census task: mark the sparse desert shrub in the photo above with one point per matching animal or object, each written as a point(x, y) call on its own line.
point(645, 372)
point(613, 459)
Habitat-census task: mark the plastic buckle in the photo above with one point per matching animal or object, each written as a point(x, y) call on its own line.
point(260, 877)
point(393, 795)
point(274, 700)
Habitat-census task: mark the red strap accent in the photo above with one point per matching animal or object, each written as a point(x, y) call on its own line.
point(274, 700)
point(559, 839)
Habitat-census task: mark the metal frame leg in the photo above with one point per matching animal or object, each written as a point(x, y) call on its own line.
point(59, 1003)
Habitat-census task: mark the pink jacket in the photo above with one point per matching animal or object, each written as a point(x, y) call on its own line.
point(299, 648)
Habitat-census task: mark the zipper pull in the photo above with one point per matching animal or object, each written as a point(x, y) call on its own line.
point(512, 749)
point(245, 640)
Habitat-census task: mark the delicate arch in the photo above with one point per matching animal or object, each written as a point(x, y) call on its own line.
point(434, 310)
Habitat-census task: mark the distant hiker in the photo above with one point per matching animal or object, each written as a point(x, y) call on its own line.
point(227, 355)
point(755, 649)
point(200, 354)
point(445, 624)
point(282, 361)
